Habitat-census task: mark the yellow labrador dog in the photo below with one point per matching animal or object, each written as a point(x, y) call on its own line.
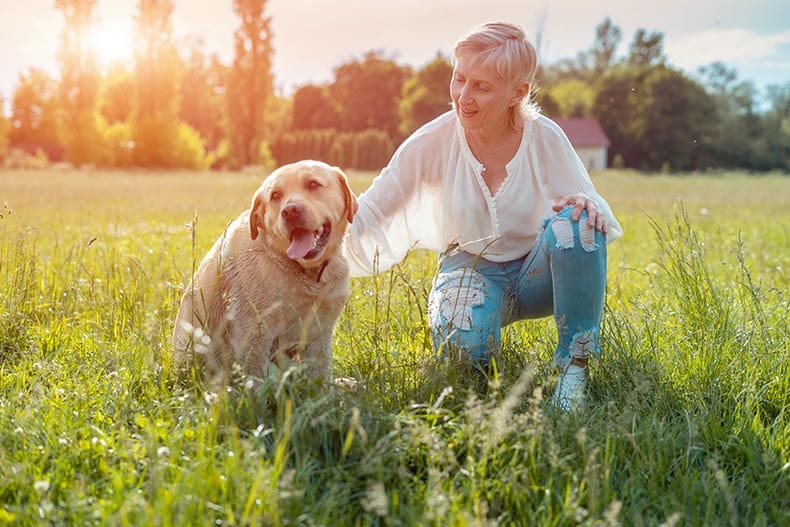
point(275, 282)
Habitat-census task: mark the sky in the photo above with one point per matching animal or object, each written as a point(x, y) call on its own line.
point(312, 37)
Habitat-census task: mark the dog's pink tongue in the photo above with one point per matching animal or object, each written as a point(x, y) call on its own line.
point(301, 243)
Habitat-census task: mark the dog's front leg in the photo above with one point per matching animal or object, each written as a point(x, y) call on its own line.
point(318, 356)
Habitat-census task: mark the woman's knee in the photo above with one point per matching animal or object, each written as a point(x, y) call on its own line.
point(566, 234)
point(462, 313)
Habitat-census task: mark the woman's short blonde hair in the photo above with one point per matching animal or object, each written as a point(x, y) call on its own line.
point(503, 47)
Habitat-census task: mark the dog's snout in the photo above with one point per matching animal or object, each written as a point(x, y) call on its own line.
point(292, 211)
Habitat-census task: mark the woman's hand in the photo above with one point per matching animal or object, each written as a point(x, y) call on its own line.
point(581, 202)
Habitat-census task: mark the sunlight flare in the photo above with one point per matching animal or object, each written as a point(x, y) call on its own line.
point(110, 44)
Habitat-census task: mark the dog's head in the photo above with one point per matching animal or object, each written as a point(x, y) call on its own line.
point(304, 209)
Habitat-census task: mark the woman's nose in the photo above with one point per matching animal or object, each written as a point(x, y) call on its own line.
point(465, 95)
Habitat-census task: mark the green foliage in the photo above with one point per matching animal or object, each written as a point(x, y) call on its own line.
point(265, 158)
point(154, 120)
point(34, 114)
point(118, 145)
point(189, 149)
point(202, 101)
point(249, 82)
point(366, 150)
point(313, 109)
point(79, 84)
point(676, 113)
point(574, 98)
point(370, 150)
point(366, 93)
point(607, 39)
point(5, 127)
point(303, 144)
point(647, 49)
point(425, 95)
point(654, 115)
point(688, 424)
point(115, 104)
point(154, 138)
point(82, 139)
point(17, 158)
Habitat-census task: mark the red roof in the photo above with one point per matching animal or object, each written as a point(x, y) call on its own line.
point(583, 131)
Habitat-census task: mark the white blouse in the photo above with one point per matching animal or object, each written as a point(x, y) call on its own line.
point(432, 195)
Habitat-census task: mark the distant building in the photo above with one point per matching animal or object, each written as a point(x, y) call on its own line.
point(588, 139)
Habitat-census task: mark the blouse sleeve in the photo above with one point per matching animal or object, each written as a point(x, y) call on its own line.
point(398, 212)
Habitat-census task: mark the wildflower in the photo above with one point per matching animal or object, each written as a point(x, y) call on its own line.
point(375, 500)
point(41, 486)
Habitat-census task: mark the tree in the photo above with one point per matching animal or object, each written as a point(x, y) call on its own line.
point(734, 111)
point(249, 84)
point(367, 92)
point(313, 108)
point(616, 106)
point(574, 98)
point(773, 151)
point(425, 95)
point(79, 84)
point(34, 114)
point(203, 94)
point(646, 49)
point(717, 77)
point(115, 104)
point(5, 127)
point(607, 38)
point(679, 120)
point(156, 94)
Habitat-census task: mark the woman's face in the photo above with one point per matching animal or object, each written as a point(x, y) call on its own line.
point(482, 99)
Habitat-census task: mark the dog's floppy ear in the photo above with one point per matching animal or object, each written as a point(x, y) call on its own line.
point(256, 214)
point(351, 200)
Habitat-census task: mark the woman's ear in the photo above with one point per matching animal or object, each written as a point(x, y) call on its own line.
point(521, 91)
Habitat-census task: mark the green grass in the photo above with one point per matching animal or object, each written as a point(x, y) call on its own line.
point(688, 425)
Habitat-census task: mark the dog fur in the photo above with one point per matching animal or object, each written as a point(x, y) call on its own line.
point(275, 283)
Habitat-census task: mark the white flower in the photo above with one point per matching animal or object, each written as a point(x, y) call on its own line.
point(376, 500)
point(41, 486)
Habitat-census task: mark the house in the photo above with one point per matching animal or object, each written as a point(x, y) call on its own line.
point(588, 139)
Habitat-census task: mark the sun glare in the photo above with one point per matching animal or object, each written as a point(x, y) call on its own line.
point(111, 44)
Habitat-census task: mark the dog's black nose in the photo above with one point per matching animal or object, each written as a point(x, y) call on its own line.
point(292, 211)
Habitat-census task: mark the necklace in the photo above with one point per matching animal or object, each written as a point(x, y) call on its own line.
point(491, 157)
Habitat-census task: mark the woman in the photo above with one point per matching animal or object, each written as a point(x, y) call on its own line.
point(498, 190)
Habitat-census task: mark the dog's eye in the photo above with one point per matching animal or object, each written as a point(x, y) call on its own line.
point(313, 184)
point(275, 196)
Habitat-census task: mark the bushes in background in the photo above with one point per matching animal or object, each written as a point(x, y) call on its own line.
point(367, 150)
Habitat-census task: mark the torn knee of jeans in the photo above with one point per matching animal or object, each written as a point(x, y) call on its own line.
point(587, 236)
point(583, 344)
point(563, 233)
point(452, 305)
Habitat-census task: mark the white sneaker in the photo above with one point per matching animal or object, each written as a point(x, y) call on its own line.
point(569, 393)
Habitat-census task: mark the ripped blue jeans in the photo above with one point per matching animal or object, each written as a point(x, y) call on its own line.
point(564, 274)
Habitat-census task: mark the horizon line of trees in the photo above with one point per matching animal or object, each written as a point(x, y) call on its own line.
point(178, 107)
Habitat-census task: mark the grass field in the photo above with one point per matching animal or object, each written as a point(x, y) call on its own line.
point(689, 421)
